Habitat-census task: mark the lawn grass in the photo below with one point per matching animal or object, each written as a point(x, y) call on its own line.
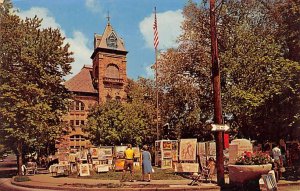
point(159, 174)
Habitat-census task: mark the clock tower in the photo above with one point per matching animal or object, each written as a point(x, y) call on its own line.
point(109, 66)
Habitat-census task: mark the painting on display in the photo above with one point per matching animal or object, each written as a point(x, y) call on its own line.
point(174, 155)
point(101, 155)
point(108, 151)
point(83, 154)
point(212, 148)
point(167, 145)
point(187, 149)
point(96, 162)
point(136, 151)
point(94, 152)
point(201, 149)
point(174, 145)
point(186, 167)
point(84, 170)
point(167, 154)
point(166, 163)
point(119, 151)
point(119, 164)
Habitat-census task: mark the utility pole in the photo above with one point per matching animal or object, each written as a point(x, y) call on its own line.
point(217, 94)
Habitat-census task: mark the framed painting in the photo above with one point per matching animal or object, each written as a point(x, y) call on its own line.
point(107, 152)
point(94, 152)
point(119, 164)
point(167, 154)
point(174, 145)
point(167, 145)
point(63, 157)
point(212, 148)
point(166, 163)
point(101, 154)
point(187, 167)
point(201, 149)
point(187, 149)
point(84, 170)
point(119, 151)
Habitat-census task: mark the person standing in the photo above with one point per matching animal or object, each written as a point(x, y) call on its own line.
point(128, 165)
point(276, 152)
point(146, 163)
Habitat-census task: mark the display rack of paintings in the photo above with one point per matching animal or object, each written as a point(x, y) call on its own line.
point(166, 152)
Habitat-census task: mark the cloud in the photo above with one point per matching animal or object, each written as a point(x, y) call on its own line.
point(79, 45)
point(93, 5)
point(168, 29)
point(42, 13)
point(78, 41)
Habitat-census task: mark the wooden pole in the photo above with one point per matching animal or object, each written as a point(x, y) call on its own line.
point(217, 95)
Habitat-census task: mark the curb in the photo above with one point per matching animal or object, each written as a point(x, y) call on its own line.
point(155, 188)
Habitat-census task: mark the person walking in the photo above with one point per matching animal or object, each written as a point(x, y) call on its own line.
point(128, 165)
point(146, 163)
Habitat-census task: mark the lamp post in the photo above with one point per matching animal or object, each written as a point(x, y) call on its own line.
point(217, 94)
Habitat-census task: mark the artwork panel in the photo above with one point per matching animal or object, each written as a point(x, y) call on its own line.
point(136, 151)
point(84, 170)
point(187, 149)
point(167, 154)
point(201, 149)
point(94, 152)
point(187, 167)
point(166, 163)
point(167, 145)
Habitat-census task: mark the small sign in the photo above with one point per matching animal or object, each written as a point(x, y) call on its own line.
point(219, 127)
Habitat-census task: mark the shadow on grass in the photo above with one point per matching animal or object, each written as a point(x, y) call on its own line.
point(7, 173)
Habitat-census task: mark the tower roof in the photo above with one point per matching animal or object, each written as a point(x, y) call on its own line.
point(109, 39)
point(82, 82)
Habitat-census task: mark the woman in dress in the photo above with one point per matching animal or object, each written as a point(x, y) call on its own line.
point(146, 163)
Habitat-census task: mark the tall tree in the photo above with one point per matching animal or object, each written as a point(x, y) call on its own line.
point(115, 123)
point(33, 62)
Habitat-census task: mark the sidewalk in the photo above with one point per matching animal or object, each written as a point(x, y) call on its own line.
point(46, 181)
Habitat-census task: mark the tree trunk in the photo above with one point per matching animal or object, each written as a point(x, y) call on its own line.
point(19, 158)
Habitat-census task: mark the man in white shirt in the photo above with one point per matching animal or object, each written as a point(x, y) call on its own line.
point(276, 152)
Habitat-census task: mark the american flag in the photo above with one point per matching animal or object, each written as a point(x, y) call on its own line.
point(156, 41)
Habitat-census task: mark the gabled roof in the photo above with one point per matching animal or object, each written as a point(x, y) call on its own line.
point(103, 39)
point(82, 82)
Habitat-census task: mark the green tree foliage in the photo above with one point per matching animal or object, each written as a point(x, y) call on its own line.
point(115, 123)
point(260, 85)
point(33, 62)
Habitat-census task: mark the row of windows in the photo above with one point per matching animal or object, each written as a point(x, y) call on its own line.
point(77, 106)
point(76, 122)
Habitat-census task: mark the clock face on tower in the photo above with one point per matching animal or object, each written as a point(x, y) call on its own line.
point(111, 41)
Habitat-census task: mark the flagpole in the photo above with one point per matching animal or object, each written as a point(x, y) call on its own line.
point(156, 67)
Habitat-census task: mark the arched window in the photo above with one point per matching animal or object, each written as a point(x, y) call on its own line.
point(77, 106)
point(112, 71)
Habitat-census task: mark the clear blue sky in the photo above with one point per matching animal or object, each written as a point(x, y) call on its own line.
point(131, 19)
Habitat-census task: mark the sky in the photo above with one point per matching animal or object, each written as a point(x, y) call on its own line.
point(132, 20)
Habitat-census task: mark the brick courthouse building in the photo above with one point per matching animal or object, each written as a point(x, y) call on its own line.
point(105, 80)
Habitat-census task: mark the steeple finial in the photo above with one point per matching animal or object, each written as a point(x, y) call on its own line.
point(108, 18)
